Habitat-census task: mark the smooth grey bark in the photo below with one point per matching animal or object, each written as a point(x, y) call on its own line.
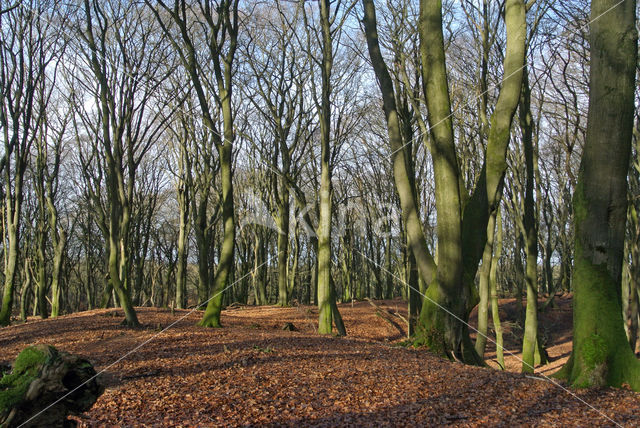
point(183, 196)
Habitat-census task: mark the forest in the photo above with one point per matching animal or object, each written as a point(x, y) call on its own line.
point(216, 195)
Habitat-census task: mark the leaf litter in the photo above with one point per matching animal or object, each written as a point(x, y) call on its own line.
point(252, 372)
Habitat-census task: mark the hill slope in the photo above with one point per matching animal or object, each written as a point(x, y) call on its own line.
point(253, 372)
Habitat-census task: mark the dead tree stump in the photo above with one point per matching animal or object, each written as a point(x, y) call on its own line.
point(35, 392)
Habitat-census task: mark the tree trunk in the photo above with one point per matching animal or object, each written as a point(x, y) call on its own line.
point(117, 284)
point(203, 242)
point(258, 277)
point(211, 317)
point(183, 240)
point(601, 354)
point(59, 239)
point(41, 233)
point(11, 260)
point(452, 288)
point(283, 247)
point(337, 318)
point(519, 275)
point(632, 315)
point(484, 287)
point(413, 292)
point(460, 245)
point(548, 253)
point(56, 276)
point(532, 353)
point(324, 247)
point(41, 275)
point(40, 376)
point(326, 295)
point(347, 267)
point(415, 235)
point(630, 284)
point(26, 291)
point(292, 274)
point(493, 290)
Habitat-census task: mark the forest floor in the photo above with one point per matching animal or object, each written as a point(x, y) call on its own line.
point(252, 372)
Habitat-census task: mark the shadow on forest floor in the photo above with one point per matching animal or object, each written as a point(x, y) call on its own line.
point(252, 372)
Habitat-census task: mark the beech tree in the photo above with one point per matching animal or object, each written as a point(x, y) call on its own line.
point(29, 45)
point(462, 219)
point(218, 22)
point(331, 21)
point(631, 273)
point(275, 85)
point(49, 148)
point(119, 45)
point(601, 354)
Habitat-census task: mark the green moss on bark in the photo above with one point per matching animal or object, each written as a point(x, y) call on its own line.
point(594, 351)
point(26, 369)
point(443, 333)
point(430, 327)
point(601, 355)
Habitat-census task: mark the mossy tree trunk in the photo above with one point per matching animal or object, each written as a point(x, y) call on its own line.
point(220, 25)
point(25, 57)
point(447, 290)
point(283, 247)
point(346, 263)
point(293, 267)
point(601, 354)
point(283, 241)
point(324, 222)
point(41, 230)
point(485, 42)
point(224, 26)
point(48, 167)
point(631, 281)
point(457, 292)
point(45, 386)
point(203, 230)
point(408, 203)
point(532, 351)
point(484, 287)
point(461, 240)
point(60, 244)
point(493, 291)
point(121, 150)
point(211, 317)
point(25, 293)
point(629, 288)
point(633, 315)
point(408, 114)
point(258, 276)
point(326, 295)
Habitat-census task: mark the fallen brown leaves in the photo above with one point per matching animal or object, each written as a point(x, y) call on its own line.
point(251, 372)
